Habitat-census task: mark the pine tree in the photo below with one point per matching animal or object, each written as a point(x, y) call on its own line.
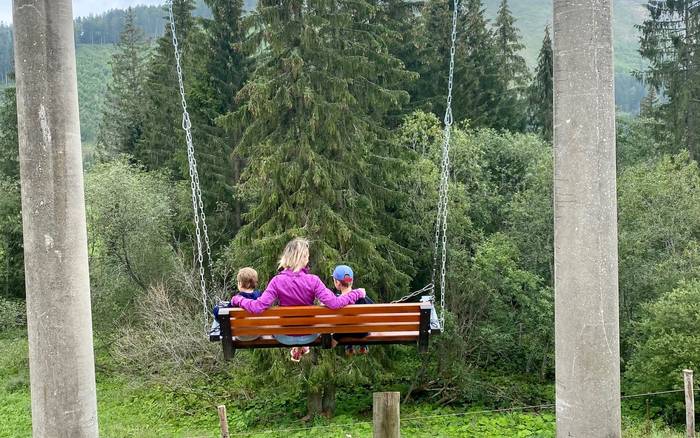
point(433, 56)
point(162, 145)
point(121, 126)
point(400, 18)
point(541, 111)
point(318, 161)
point(513, 68)
point(221, 70)
point(671, 43)
point(479, 91)
point(647, 107)
point(509, 46)
point(311, 126)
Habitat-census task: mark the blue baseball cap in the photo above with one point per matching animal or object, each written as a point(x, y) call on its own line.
point(343, 273)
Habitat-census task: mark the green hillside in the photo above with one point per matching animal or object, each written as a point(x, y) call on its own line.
point(534, 15)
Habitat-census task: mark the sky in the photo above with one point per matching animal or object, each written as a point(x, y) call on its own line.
point(82, 7)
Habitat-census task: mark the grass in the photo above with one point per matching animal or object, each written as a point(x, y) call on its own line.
point(130, 407)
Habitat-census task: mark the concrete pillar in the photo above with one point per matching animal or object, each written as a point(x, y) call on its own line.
point(585, 222)
point(61, 362)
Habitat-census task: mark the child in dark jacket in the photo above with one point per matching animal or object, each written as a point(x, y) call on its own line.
point(343, 278)
point(247, 282)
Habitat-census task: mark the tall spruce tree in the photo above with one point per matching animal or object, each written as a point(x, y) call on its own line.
point(162, 144)
point(648, 105)
point(508, 46)
point(480, 93)
point(311, 126)
point(513, 68)
point(541, 101)
point(319, 163)
point(670, 41)
point(433, 56)
point(479, 90)
point(400, 18)
point(221, 69)
point(122, 121)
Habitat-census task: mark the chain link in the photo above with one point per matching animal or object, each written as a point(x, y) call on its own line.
point(440, 248)
point(200, 219)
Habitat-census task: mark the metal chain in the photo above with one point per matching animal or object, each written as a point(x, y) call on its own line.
point(441, 219)
point(427, 288)
point(200, 219)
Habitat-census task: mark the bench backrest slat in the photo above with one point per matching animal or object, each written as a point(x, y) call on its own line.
point(327, 329)
point(285, 321)
point(354, 309)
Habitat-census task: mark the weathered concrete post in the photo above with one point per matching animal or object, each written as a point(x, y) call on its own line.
point(585, 222)
point(61, 362)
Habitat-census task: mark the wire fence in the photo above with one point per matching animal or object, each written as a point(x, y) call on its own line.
point(409, 419)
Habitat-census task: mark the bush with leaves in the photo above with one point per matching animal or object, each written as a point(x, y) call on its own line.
point(11, 247)
point(659, 229)
point(669, 342)
point(134, 218)
point(13, 314)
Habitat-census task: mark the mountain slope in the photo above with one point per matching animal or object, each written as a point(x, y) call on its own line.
point(533, 15)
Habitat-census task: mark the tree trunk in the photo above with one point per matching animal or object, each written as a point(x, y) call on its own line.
point(314, 403)
point(328, 403)
point(237, 207)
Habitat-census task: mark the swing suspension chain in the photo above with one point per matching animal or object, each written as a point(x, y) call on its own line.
point(440, 248)
point(427, 288)
point(200, 219)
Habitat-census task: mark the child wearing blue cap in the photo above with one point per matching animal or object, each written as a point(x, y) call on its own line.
point(343, 278)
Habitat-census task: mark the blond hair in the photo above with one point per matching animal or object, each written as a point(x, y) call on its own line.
point(247, 278)
point(295, 255)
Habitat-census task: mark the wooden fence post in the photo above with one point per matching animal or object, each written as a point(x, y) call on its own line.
point(386, 414)
point(689, 403)
point(223, 422)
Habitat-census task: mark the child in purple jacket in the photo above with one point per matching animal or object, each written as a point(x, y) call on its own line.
point(295, 286)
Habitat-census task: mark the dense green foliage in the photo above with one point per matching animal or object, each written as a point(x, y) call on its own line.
point(671, 44)
point(322, 119)
point(667, 338)
point(11, 256)
point(312, 134)
point(121, 125)
point(94, 73)
point(107, 28)
point(541, 93)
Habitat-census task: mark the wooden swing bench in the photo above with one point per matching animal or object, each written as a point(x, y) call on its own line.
point(403, 323)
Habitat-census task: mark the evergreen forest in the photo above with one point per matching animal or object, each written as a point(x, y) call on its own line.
point(324, 120)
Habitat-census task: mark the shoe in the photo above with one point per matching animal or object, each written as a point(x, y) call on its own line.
point(363, 349)
point(349, 350)
point(298, 352)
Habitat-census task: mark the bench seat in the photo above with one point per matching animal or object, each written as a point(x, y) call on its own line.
point(403, 323)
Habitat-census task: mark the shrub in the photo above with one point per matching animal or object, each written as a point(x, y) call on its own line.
point(168, 336)
point(12, 314)
point(669, 342)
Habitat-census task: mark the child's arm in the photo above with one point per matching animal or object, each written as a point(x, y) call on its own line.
point(257, 306)
point(329, 299)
